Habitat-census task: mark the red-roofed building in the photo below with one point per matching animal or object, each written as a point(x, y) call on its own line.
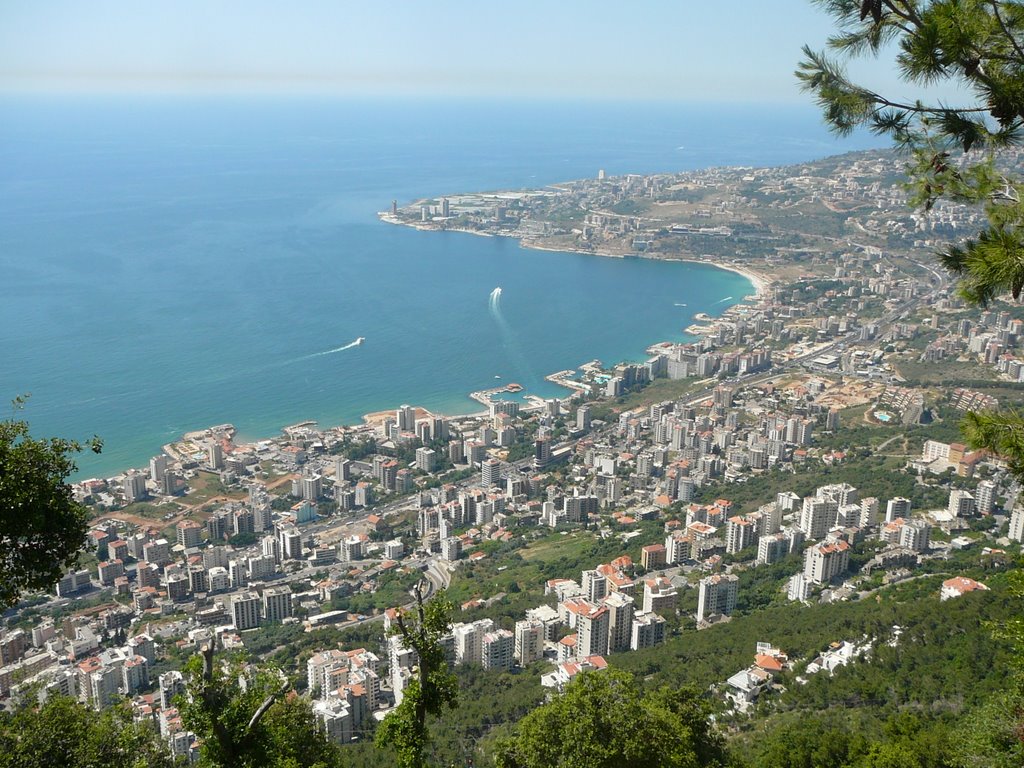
point(959, 586)
point(653, 556)
point(568, 670)
point(623, 563)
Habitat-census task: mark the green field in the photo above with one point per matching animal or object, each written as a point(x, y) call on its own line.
point(946, 372)
point(207, 485)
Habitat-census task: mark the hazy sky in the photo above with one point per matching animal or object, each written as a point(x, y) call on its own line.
point(744, 50)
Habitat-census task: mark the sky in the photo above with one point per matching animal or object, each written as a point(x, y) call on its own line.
point(684, 50)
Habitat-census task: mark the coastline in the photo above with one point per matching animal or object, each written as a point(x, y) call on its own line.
point(760, 282)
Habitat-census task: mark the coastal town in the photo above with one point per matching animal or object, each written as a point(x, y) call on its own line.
point(805, 439)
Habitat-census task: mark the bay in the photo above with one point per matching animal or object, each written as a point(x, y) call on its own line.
point(168, 263)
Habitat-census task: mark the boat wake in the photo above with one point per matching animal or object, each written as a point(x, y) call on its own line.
point(725, 299)
point(342, 348)
point(680, 305)
point(509, 341)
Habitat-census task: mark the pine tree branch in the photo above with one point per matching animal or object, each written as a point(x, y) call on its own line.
point(267, 704)
point(213, 705)
point(1006, 31)
point(908, 13)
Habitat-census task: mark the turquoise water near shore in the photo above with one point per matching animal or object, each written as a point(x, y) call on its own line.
point(171, 263)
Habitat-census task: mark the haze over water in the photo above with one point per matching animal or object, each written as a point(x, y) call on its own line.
point(171, 263)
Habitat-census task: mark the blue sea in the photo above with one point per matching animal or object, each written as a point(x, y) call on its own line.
point(169, 263)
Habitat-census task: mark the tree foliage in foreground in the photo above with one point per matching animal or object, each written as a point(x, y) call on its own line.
point(66, 734)
point(978, 47)
point(432, 688)
point(993, 735)
point(42, 527)
point(249, 718)
point(606, 720)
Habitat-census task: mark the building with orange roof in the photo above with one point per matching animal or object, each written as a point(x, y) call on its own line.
point(824, 562)
point(959, 586)
point(619, 582)
point(623, 563)
point(568, 670)
point(768, 663)
point(653, 556)
point(567, 648)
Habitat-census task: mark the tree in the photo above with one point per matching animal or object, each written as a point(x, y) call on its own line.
point(64, 733)
point(250, 718)
point(993, 735)
point(432, 688)
point(978, 46)
point(42, 527)
point(605, 720)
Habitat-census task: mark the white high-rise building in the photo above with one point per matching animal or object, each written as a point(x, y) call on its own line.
point(426, 459)
point(342, 470)
point(648, 630)
point(583, 417)
point(406, 418)
point(823, 562)
point(660, 596)
point(620, 620)
point(592, 631)
point(215, 455)
point(985, 497)
point(740, 533)
point(678, 548)
point(817, 516)
point(897, 507)
point(245, 610)
point(717, 595)
point(496, 651)
point(1017, 524)
point(915, 535)
point(798, 587)
point(277, 603)
point(335, 716)
point(771, 549)
point(451, 548)
point(595, 585)
point(529, 641)
point(490, 472)
point(469, 640)
point(291, 543)
point(311, 487)
point(868, 511)
point(771, 519)
point(238, 573)
point(961, 503)
point(134, 486)
point(158, 468)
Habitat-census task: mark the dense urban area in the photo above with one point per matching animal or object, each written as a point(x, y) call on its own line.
point(779, 511)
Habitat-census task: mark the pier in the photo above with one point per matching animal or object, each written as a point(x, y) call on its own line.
point(484, 396)
point(564, 379)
